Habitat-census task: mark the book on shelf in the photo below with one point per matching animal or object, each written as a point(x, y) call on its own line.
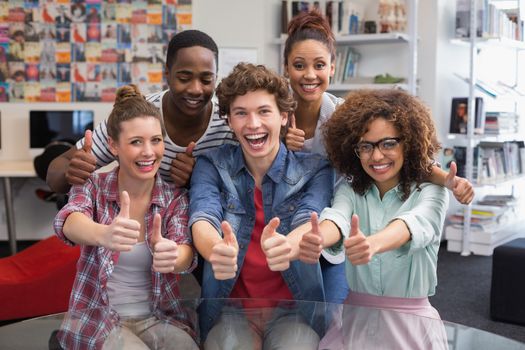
point(459, 116)
point(499, 123)
point(491, 20)
point(346, 63)
point(344, 16)
point(493, 161)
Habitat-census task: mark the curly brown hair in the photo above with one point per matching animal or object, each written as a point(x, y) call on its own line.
point(247, 77)
point(130, 104)
point(411, 118)
point(309, 26)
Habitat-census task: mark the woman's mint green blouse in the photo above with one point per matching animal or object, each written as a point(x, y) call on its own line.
point(409, 271)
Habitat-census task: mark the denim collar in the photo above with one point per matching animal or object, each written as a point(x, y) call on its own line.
point(275, 173)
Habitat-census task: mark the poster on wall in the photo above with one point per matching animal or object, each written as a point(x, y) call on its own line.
point(82, 51)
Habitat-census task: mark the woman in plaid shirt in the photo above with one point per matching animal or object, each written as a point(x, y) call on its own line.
point(132, 227)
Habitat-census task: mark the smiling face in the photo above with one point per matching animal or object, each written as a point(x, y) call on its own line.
point(256, 121)
point(191, 80)
point(383, 169)
point(309, 69)
point(139, 147)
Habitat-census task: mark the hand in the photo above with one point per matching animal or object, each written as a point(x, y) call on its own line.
point(182, 166)
point(83, 162)
point(165, 251)
point(357, 247)
point(224, 253)
point(460, 187)
point(275, 246)
point(311, 244)
point(123, 233)
point(294, 137)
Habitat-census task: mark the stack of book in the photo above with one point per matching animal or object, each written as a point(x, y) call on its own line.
point(493, 222)
point(498, 123)
point(493, 162)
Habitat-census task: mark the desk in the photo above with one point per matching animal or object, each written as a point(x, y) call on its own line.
point(365, 326)
point(9, 169)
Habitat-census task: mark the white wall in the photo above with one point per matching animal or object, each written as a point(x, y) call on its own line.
point(241, 24)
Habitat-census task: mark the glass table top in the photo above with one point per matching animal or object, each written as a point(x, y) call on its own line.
point(340, 326)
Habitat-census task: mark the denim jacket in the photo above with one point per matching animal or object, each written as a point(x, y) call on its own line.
point(223, 189)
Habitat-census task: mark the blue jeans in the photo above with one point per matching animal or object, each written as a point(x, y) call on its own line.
point(334, 281)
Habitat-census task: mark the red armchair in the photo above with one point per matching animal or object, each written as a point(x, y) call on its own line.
point(38, 280)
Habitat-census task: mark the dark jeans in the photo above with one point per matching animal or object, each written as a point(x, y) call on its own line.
point(334, 281)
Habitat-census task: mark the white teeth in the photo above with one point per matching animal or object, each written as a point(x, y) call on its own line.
point(380, 167)
point(309, 86)
point(150, 162)
point(192, 101)
point(255, 136)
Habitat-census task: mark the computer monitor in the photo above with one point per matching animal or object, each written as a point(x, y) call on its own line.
point(48, 126)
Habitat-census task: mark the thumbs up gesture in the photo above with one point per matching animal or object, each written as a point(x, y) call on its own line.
point(311, 244)
point(224, 253)
point(275, 246)
point(460, 187)
point(123, 232)
point(165, 251)
point(357, 247)
point(182, 166)
point(82, 163)
point(294, 137)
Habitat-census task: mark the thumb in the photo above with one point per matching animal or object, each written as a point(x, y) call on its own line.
point(124, 205)
point(292, 121)
point(270, 229)
point(315, 224)
point(354, 227)
point(156, 235)
point(451, 174)
point(190, 148)
point(228, 235)
point(88, 141)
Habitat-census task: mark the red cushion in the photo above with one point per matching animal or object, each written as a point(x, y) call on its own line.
point(38, 280)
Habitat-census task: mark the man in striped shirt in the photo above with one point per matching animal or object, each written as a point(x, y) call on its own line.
point(190, 116)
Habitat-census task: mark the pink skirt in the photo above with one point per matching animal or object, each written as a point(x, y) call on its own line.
point(377, 322)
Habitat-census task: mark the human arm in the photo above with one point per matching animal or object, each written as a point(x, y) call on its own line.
point(360, 249)
point(171, 243)
point(220, 252)
point(205, 221)
point(182, 166)
point(316, 194)
point(461, 188)
point(419, 221)
point(294, 138)
point(318, 236)
point(72, 167)
point(120, 235)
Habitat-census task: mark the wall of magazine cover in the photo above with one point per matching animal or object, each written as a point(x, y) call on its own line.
point(82, 51)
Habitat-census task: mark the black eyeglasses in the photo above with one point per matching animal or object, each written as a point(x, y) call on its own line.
point(388, 146)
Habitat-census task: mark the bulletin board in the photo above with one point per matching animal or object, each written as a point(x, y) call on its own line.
point(82, 51)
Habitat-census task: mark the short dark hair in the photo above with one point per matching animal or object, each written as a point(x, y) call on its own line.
point(247, 77)
point(190, 38)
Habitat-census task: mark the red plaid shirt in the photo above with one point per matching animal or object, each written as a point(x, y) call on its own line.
point(90, 319)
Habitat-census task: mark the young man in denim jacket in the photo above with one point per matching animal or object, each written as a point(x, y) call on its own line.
point(249, 206)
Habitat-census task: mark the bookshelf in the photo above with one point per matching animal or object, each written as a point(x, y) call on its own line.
point(495, 157)
point(399, 46)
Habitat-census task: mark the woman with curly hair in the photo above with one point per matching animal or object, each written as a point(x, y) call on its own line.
point(386, 217)
point(309, 63)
